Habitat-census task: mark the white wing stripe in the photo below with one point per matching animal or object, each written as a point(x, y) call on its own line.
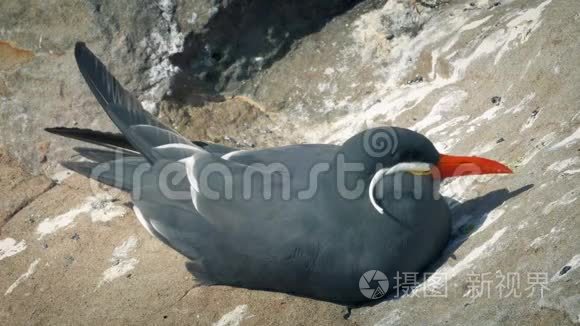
point(143, 220)
point(230, 154)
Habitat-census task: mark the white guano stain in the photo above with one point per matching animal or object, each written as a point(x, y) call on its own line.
point(100, 209)
point(571, 172)
point(484, 149)
point(439, 36)
point(322, 87)
point(10, 247)
point(519, 29)
point(446, 145)
point(564, 164)
point(489, 114)
point(149, 106)
point(544, 141)
point(165, 39)
point(567, 199)
point(529, 122)
point(23, 277)
point(537, 242)
point(106, 211)
point(445, 104)
point(526, 69)
point(524, 103)
point(442, 128)
point(391, 319)
point(193, 18)
point(122, 263)
point(568, 141)
point(475, 24)
point(234, 317)
point(60, 176)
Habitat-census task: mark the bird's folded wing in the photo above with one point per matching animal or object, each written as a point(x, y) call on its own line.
point(164, 203)
point(146, 138)
point(165, 183)
point(235, 195)
point(102, 156)
point(114, 141)
point(175, 226)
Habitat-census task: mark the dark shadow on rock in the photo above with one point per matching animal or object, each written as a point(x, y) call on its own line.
point(242, 38)
point(467, 218)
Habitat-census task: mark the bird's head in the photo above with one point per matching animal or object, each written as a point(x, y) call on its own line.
point(388, 151)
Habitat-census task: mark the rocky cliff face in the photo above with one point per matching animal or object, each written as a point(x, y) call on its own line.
point(493, 78)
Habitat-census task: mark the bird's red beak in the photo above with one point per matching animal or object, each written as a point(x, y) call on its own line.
point(455, 166)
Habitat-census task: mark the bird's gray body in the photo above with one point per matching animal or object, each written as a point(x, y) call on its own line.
point(317, 247)
point(309, 240)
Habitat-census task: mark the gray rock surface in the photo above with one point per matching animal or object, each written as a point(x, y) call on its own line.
point(73, 254)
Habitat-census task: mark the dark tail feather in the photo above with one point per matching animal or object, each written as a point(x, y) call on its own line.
point(119, 142)
point(119, 173)
point(101, 156)
point(106, 139)
point(121, 106)
point(86, 169)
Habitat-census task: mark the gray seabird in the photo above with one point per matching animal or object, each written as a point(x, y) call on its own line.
point(303, 219)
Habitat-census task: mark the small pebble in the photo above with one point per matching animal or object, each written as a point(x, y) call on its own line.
point(417, 79)
point(99, 204)
point(565, 270)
